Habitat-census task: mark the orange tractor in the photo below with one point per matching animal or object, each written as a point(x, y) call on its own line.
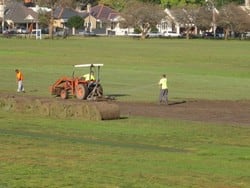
point(84, 87)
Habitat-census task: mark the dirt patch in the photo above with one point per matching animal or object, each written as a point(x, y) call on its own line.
point(226, 112)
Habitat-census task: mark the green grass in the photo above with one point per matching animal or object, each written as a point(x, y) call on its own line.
point(134, 152)
point(200, 69)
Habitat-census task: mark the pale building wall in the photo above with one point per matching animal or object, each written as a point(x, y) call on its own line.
point(1, 10)
point(247, 3)
point(58, 23)
point(92, 20)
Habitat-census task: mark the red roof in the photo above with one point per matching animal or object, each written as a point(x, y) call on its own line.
point(103, 12)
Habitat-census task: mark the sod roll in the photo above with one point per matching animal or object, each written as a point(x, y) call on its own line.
point(52, 107)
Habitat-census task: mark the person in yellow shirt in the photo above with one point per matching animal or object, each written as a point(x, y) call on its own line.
point(163, 83)
point(19, 78)
point(89, 77)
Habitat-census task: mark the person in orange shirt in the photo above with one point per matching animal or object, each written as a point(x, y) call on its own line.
point(19, 78)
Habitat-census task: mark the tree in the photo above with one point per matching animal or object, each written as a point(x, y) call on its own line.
point(53, 4)
point(44, 19)
point(143, 16)
point(187, 17)
point(203, 21)
point(233, 18)
point(115, 4)
point(180, 3)
point(84, 3)
point(75, 22)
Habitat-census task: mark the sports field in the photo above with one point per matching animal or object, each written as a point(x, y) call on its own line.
point(140, 149)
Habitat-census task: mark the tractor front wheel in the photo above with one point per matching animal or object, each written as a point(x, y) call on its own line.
point(81, 91)
point(64, 94)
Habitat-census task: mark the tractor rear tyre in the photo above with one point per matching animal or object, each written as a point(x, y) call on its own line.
point(64, 94)
point(81, 91)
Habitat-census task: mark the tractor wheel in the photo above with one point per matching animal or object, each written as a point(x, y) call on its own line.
point(81, 91)
point(64, 94)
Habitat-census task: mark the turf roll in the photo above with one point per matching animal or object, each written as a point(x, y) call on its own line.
point(58, 108)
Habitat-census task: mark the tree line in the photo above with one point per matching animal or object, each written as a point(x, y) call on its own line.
point(192, 18)
point(119, 5)
point(144, 15)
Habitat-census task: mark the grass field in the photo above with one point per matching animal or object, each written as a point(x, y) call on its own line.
point(134, 152)
point(137, 151)
point(196, 69)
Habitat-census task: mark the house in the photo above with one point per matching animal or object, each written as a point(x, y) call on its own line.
point(101, 19)
point(185, 26)
point(169, 24)
point(98, 18)
point(16, 15)
point(62, 15)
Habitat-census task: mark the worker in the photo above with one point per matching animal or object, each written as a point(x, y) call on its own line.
point(89, 77)
point(19, 78)
point(163, 83)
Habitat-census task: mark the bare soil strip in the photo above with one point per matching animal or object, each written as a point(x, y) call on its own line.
point(226, 112)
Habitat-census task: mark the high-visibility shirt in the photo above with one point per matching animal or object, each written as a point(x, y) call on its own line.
point(89, 77)
point(163, 83)
point(19, 76)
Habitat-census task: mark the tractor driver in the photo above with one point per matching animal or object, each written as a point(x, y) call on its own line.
point(89, 77)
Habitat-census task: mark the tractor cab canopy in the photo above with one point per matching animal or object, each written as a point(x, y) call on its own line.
point(88, 65)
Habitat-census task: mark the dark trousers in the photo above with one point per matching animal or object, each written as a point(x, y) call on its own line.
point(163, 98)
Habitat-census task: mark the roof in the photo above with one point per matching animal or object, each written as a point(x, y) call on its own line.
point(103, 12)
point(19, 13)
point(66, 13)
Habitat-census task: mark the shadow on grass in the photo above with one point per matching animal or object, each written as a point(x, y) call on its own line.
point(177, 102)
point(123, 117)
point(117, 95)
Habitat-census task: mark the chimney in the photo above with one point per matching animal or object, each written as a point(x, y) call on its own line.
point(2, 9)
point(28, 3)
point(88, 8)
